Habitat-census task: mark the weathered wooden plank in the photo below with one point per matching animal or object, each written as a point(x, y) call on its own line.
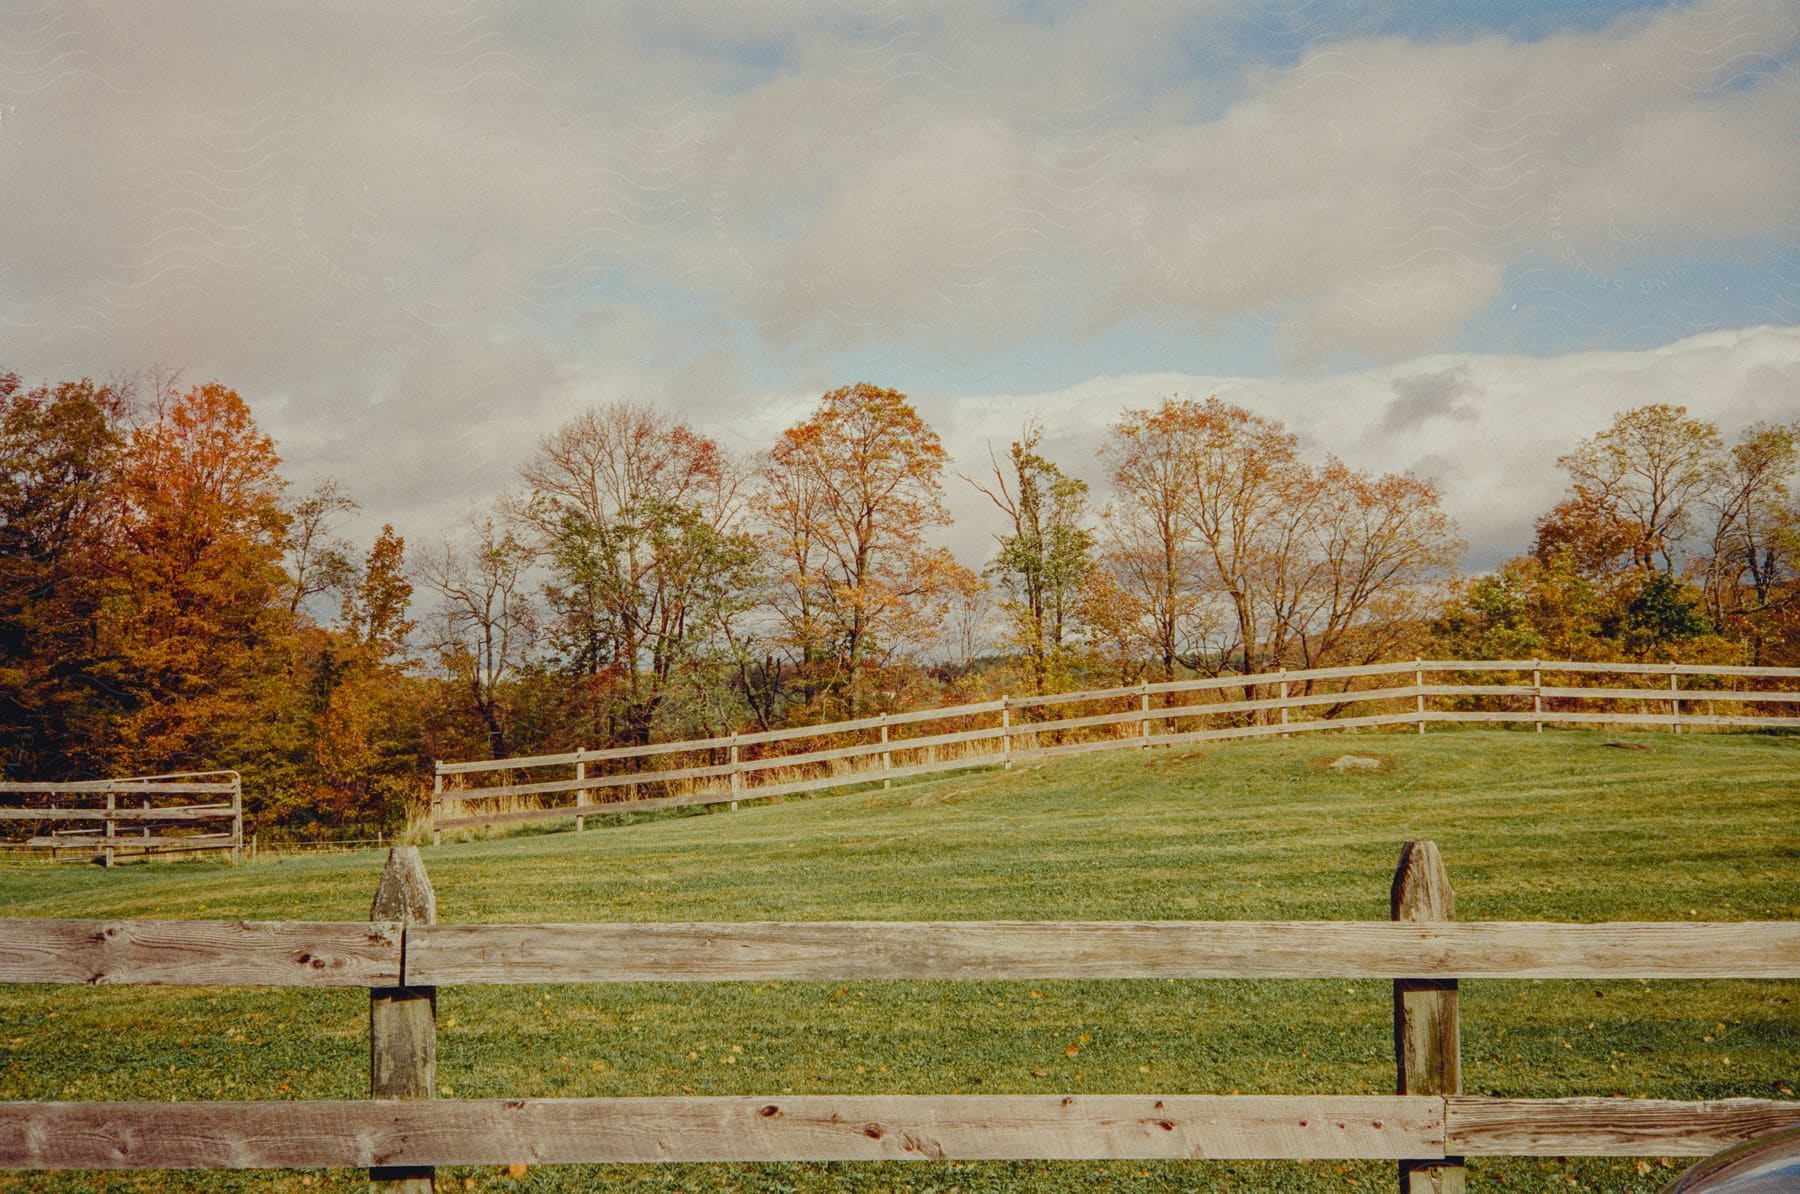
point(210, 812)
point(1747, 696)
point(525, 816)
point(1436, 690)
point(446, 955)
point(1293, 727)
point(1273, 678)
point(1660, 720)
point(864, 749)
point(198, 841)
point(567, 758)
point(128, 787)
point(823, 730)
point(237, 953)
point(729, 1128)
point(1072, 698)
point(1488, 1127)
point(1205, 709)
point(586, 783)
point(1021, 728)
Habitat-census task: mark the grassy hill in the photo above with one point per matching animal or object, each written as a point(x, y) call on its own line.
point(1559, 826)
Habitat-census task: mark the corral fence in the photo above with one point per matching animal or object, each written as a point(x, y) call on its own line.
point(403, 956)
point(1670, 697)
point(142, 816)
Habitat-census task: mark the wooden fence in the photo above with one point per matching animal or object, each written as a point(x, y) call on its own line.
point(1001, 732)
point(403, 955)
point(137, 815)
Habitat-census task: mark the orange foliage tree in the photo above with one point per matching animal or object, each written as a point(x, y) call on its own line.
point(848, 496)
point(60, 451)
point(197, 614)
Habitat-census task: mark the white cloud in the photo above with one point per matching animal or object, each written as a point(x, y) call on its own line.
point(416, 237)
point(1502, 420)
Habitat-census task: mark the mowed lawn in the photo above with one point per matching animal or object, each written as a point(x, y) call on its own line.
point(1558, 826)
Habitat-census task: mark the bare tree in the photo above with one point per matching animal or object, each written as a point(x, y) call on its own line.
point(485, 624)
point(318, 560)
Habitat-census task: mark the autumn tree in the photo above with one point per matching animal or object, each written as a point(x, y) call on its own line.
point(1751, 571)
point(1647, 473)
point(1368, 568)
point(61, 448)
point(1150, 548)
point(318, 559)
point(198, 609)
point(364, 715)
point(1044, 555)
point(637, 517)
point(375, 608)
point(848, 497)
point(1531, 607)
point(1648, 551)
point(1249, 503)
point(1114, 622)
point(1255, 558)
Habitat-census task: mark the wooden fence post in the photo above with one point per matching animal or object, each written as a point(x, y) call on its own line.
point(1005, 732)
point(1537, 692)
point(580, 793)
point(1144, 712)
point(403, 1020)
point(887, 756)
point(1419, 686)
point(112, 806)
point(737, 770)
point(1284, 696)
point(237, 819)
point(1427, 1038)
point(1674, 701)
point(437, 794)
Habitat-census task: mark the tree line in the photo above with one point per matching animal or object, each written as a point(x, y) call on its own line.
point(166, 603)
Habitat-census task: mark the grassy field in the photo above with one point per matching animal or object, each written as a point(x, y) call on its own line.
point(1557, 827)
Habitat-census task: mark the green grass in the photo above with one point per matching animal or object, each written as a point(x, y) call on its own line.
point(1556, 827)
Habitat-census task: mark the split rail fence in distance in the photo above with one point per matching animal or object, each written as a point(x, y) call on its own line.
point(1672, 697)
point(403, 955)
point(137, 815)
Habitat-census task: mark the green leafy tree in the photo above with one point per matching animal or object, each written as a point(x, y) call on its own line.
point(1045, 556)
point(637, 518)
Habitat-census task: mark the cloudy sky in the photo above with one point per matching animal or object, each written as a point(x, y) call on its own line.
point(418, 236)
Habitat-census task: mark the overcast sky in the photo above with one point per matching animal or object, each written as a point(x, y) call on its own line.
point(418, 236)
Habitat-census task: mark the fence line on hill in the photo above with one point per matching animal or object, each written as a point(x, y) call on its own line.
point(1000, 732)
point(89, 817)
point(402, 1132)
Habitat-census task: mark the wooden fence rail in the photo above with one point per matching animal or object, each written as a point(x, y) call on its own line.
point(401, 1133)
point(107, 818)
point(723, 770)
